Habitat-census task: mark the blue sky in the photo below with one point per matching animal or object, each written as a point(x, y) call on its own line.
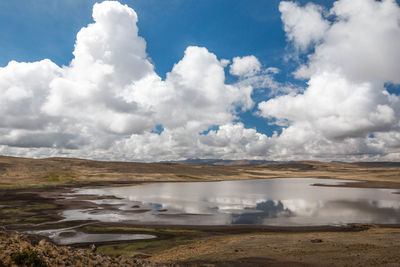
point(32, 30)
point(36, 29)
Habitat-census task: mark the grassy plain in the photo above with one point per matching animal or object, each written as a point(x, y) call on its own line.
point(53, 172)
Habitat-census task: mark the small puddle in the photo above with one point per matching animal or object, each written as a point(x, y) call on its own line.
point(80, 237)
point(71, 236)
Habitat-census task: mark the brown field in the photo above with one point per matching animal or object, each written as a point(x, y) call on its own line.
point(373, 247)
point(23, 172)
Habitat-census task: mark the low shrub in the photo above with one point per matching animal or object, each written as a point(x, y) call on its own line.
point(28, 257)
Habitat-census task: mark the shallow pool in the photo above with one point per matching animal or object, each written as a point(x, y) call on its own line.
point(284, 202)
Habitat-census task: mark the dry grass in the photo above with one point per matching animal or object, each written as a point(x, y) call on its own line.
point(22, 172)
point(374, 247)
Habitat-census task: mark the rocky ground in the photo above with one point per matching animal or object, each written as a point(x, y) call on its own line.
point(24, 250)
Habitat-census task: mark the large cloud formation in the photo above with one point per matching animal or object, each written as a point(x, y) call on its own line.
point(109, 103)
point(346, 108)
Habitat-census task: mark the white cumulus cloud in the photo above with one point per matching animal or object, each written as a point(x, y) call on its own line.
point(245, 66)
point(346, 100)
point(109, 103)
point(303, 25)
point(110, 95)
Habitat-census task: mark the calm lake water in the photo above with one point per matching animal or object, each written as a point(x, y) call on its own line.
point(71, 236)
point(284, 202)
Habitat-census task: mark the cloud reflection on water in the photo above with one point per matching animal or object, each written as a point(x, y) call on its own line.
point(263, 202)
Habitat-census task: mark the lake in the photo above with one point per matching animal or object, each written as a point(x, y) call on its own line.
point(283, 202)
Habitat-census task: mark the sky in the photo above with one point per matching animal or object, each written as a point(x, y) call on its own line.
point(154, 80)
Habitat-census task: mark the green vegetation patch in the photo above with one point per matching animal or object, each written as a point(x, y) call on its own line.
point(58, 178)
point(9, 221)
point(138, 230)
point(12, 202)
point(38, 219)
point(117, 229)
point(15, 211)
point(26, 211)
point(8, 186)
point(41, 206)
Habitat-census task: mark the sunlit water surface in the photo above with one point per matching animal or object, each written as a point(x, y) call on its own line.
point(284, 202)
point(71, 236)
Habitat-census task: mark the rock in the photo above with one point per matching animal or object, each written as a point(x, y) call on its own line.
point(42, 242)
point(316, 240)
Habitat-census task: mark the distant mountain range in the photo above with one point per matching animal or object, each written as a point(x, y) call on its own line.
point(220, 162)
point(248, 162)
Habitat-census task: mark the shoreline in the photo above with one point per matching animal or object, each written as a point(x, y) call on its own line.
point(355, 183)
point(56, 205)
point(45, 196)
